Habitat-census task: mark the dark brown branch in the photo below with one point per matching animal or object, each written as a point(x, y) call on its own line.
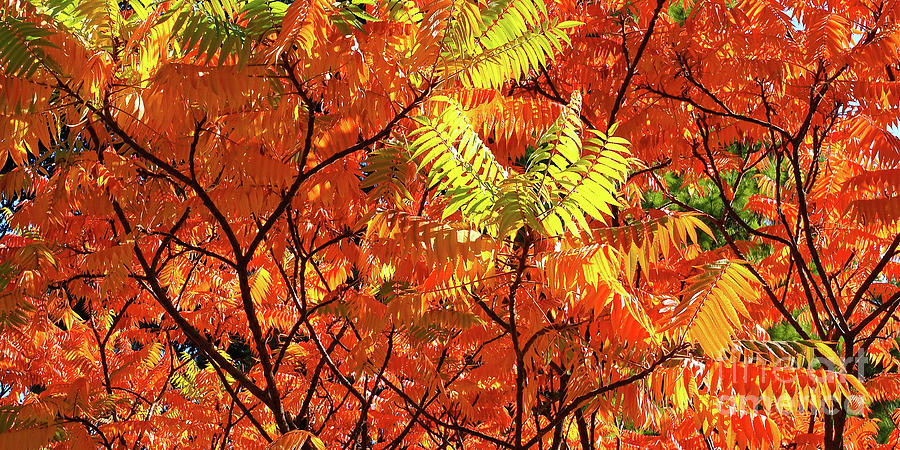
point(578, 401)
point(237, 400)
point(632, 66)
point(887, 305)
point(442, 423)
point(873, 275)
point(161, 296)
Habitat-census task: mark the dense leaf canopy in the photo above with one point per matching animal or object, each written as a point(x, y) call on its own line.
point(398, 224)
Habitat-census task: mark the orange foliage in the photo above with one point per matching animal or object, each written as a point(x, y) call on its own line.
point(434, 224)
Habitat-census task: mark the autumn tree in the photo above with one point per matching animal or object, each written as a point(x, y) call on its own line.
point(398, 224)
point(793, 104)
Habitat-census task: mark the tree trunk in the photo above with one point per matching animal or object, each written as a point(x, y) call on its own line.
point(834, 429)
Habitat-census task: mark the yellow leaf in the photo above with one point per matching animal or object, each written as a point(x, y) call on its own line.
point(294, 440)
